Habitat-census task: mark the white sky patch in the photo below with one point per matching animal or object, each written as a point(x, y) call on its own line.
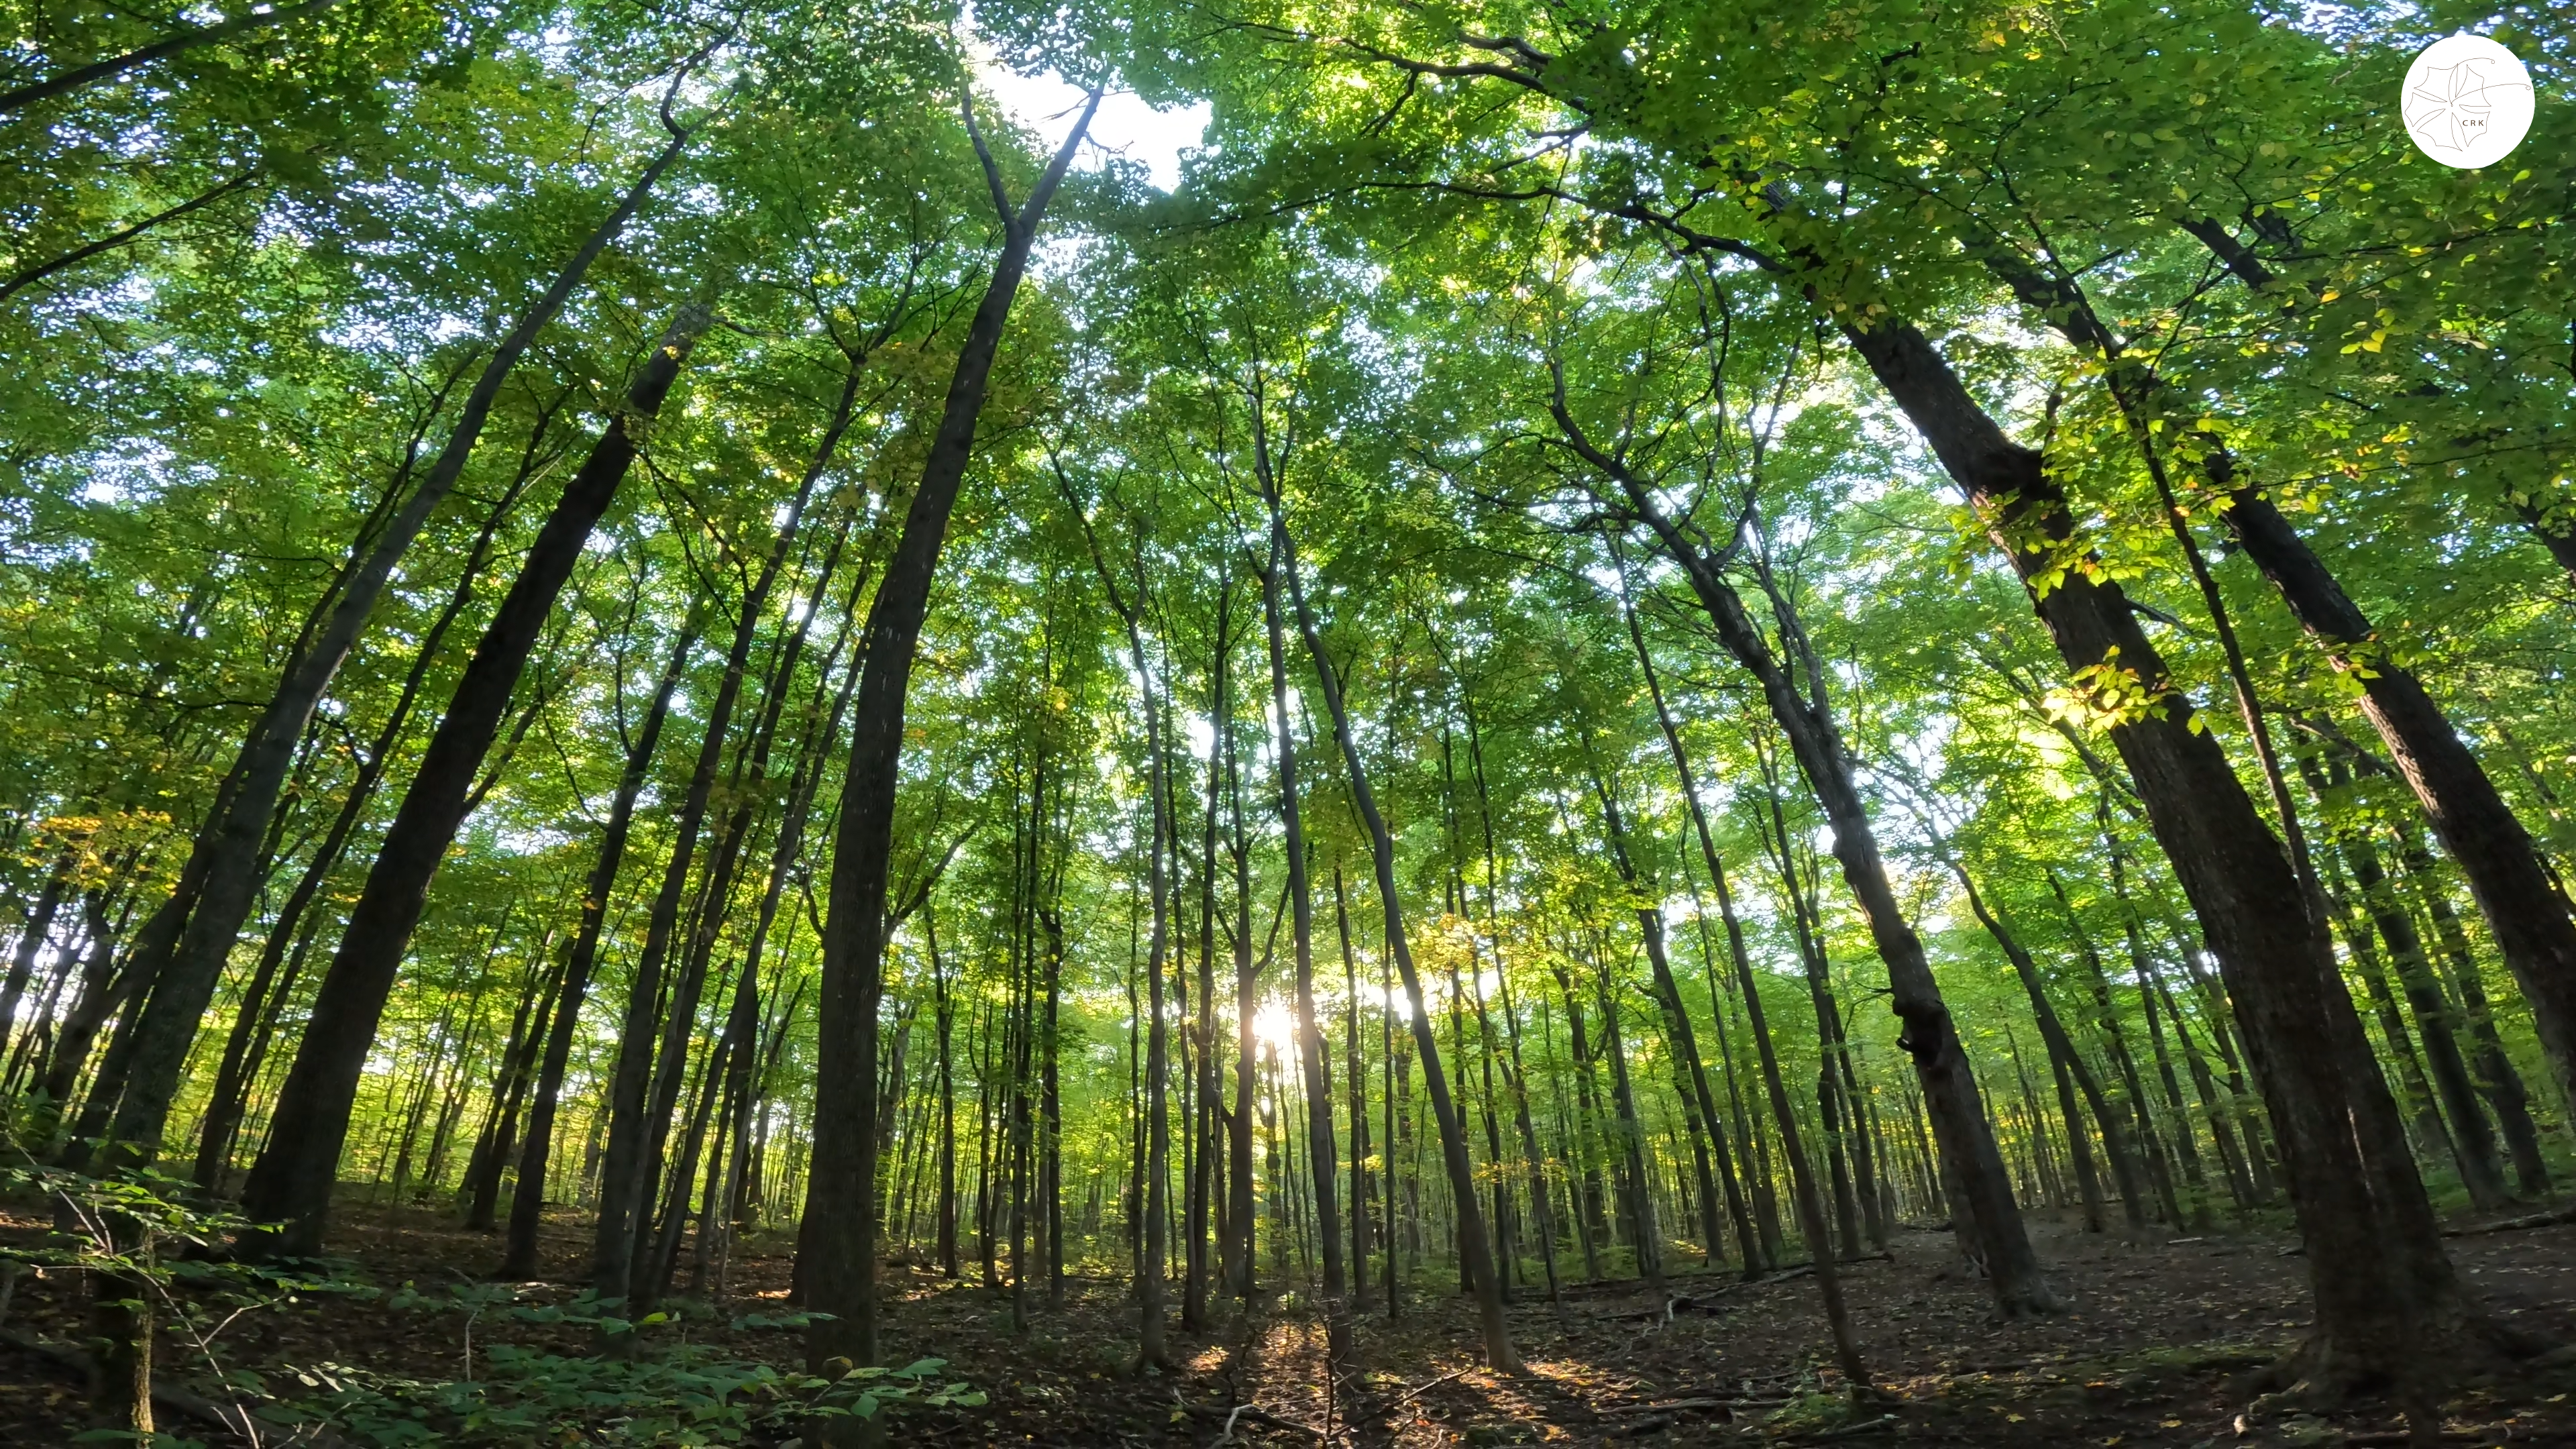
point(1126, 127)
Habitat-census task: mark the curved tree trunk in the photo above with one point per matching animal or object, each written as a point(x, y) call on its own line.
point(1991, 1227)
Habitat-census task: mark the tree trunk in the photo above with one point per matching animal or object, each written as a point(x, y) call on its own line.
point(1991, 1229)
point(34, 936)
point(1355, 1071)
point(2384, 1288)
point(837, 1247)
point(639, 1118)
point(2437, 1022)
point(2524, 907)
point(1810, 1202)
point(292, 1181)
point(2497, 1078)
point(100, 71)
point(1473, 1248)
point(527, 1200)
point(240, 1062)
point(1206, 1207)
point(2067, 1063)
point(2106, 1019)
point(1323, 1154)
point(1636, 1187)
point(227, 853)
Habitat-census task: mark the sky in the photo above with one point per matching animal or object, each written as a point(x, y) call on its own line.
point(1047, 104)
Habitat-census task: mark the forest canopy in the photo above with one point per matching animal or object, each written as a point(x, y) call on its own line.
point(1599, 641)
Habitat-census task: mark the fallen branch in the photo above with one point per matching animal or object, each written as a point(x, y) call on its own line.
point(1854, 1431)
point(1411, 1394)
point(1678, 1405)
point(1249, 1413)
point(231, 1418)
point(2550, 1219)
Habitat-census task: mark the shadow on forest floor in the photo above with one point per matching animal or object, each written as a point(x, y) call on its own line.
point(2157, 1331)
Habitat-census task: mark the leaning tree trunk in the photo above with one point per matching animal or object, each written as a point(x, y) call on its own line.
point(837, 1247)
point(2386, 1296)
point(108, 68)
point(292, 1181)
point(2065, 1062)
point(2497, 1078)
point(1990, 1227)
point(536, 1149)
point(181, 985)
point(2523, 906)
point(640, 1110)
point(1699, 1104)
point(240, 1063)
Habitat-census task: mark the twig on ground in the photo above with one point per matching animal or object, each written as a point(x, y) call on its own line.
point(1411, 1394)
point(1854, 1431)
point(1666, 1406)
point(1252, 1414)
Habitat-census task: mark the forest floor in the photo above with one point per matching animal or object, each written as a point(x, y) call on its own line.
point(2154, 1350)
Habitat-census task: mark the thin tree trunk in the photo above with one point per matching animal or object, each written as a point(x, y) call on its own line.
point(2066, 1062)
point(2497, 1078)
point(1636, 1186)
point(1321, 1152)
point(1355, 1070)
point(1991, 1228)
point(1453, 1136)
point(2106, 1018)
point(527, 1201)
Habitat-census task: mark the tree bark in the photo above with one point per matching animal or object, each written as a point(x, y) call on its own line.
point(226, 853)
point(292, 1181)
point(1474, 1250)
point(837, 1248)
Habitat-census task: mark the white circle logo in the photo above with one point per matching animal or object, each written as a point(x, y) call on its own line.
point(2467, 101)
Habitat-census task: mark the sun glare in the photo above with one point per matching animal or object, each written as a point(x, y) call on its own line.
point(1276, 1027)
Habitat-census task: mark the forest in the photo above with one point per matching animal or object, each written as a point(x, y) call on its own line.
point(1269, 722)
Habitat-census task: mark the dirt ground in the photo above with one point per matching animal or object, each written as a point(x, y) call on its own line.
point(2158, 1338)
